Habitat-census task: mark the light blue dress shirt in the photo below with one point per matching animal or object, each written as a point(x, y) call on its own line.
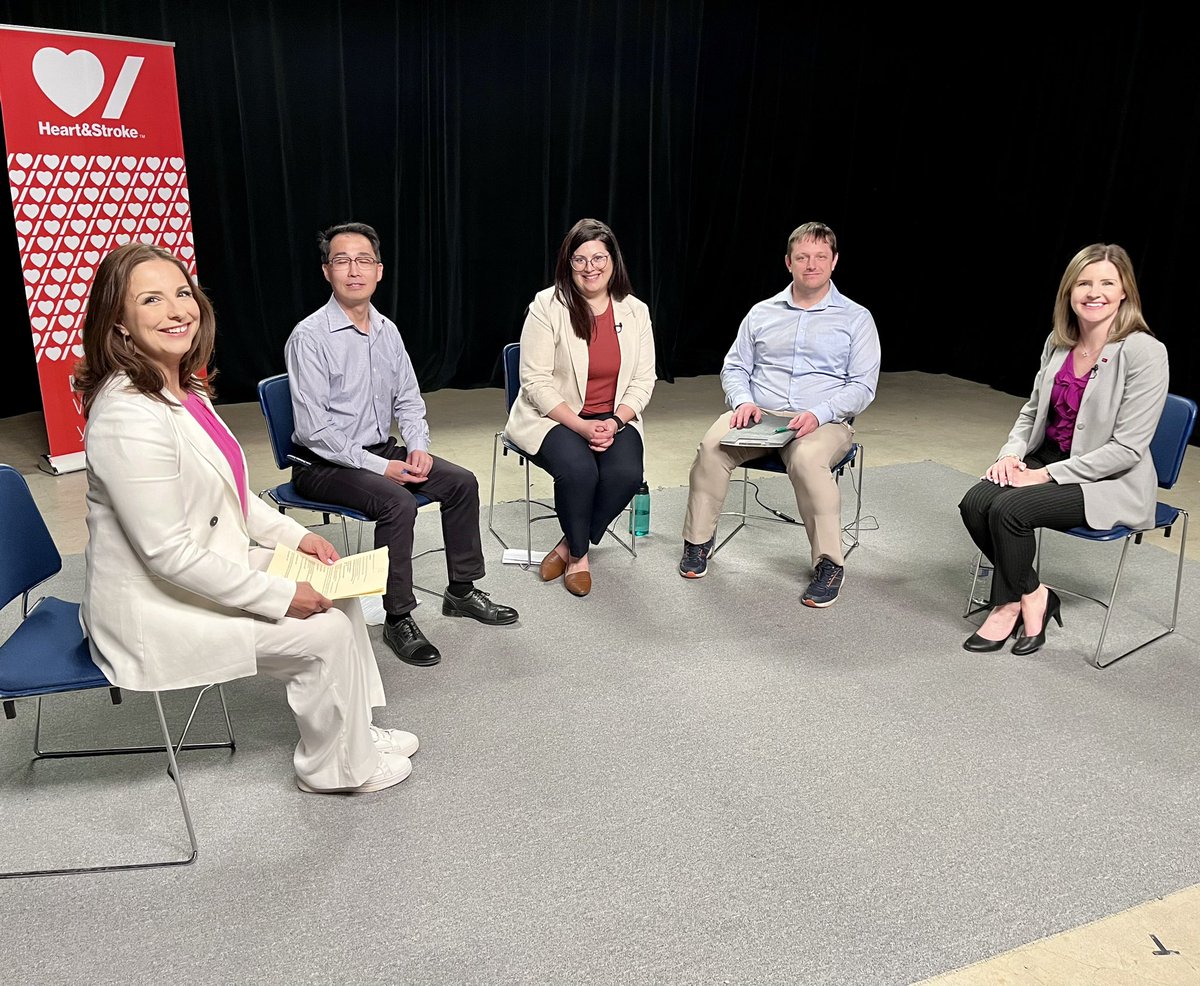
point(823, 359)
point(347, 385)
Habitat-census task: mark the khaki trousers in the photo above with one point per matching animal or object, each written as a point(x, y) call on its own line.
point(808, 460)
point(328, 666)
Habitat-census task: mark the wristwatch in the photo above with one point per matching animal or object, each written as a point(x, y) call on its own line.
point(617, 419)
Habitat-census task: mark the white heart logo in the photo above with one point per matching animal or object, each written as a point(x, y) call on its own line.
point(46, 307)
point(25, 227)
point(78, 161)
point(71, 82)
point(104, 162)
point(53, 291)
point(71, 242)
point(53, 352)
point(61, 337)
point(51, 226)
point(24, 160)
point(98, 241)
point(72, 304)
point(77, 288)
point(104, 225)
point(45, 242)
point(91, 256)
point(77, 350)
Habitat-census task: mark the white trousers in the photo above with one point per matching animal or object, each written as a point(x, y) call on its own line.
point(333, 683)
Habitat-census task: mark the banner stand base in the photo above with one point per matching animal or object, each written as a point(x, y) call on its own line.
point(60, 465)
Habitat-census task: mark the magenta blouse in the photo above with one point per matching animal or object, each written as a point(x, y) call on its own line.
point(223, 439)
point(1065, 397)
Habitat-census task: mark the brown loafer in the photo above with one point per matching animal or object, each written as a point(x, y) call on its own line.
point(579, 583)
point(552, 567)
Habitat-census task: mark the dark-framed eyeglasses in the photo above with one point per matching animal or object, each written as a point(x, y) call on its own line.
point(598, 262)
point(363, 262)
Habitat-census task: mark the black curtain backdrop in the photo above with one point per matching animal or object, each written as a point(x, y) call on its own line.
point(962, 163)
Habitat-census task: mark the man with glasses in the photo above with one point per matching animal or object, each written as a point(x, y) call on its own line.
point(350, 377)
point(809, 355)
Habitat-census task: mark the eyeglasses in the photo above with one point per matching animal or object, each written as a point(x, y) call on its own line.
point(598, 262)
point(343, 263)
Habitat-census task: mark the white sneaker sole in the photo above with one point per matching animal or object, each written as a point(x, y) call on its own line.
point(398, 773)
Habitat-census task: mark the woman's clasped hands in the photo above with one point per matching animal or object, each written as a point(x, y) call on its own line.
point(1011, 471)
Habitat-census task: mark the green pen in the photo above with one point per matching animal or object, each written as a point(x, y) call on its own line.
point(779, 430)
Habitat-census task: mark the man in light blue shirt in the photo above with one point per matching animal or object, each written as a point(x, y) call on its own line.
point(350, 376)
point(810, 355)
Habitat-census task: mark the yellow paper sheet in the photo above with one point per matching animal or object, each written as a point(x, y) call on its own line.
point(356, 575)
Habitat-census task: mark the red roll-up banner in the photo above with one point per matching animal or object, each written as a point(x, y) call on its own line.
point(95, 160)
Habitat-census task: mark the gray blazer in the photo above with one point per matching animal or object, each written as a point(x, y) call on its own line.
point(1110, 451)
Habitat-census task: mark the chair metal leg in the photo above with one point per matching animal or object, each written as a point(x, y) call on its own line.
point(173, 771)
point(1096, 662)
point(745, 481)
point(230, 744)
point(856, 467)
point(975, 605)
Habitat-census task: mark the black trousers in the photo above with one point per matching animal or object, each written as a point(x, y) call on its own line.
point(1002, 519)
point(590, 488)
point(394, 510)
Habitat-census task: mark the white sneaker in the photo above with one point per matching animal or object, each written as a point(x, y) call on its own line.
point(394, 741)
point(392, 769)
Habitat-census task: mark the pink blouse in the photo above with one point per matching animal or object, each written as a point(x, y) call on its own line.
point(1065, 397)
point(207, 419)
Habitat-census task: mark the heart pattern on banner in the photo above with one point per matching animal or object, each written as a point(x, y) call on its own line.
point(70, 212)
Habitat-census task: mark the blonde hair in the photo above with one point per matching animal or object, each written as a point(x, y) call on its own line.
point(1129, 315)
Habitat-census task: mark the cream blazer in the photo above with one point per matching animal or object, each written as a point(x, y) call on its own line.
point(554, 367)
point(169, 597)
point(1110, 450)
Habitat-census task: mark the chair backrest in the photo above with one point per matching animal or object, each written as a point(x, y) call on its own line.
point(275, 398)
point(27, 552)
point(1171, 438)
point(512, 373)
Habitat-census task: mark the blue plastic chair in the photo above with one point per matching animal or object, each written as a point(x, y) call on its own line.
point(512, 385)
point(47, 654)
point(275, 399)
point(773, 462)
point(1167, 449)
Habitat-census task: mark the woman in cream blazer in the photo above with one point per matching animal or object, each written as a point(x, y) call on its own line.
point(1079, 452)
point(174, 594)
point(587, 373)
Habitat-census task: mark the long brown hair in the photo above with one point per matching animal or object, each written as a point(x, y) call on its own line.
point(105, 352)
point(565, 291)
point(1129, 314)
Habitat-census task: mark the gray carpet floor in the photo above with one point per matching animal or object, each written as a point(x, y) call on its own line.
point(666, 782)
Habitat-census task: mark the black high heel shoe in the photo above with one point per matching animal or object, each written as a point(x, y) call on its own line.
point(981, 645)
point(1027, 645)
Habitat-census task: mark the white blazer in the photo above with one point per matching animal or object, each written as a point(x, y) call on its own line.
point(1110, 450)
point(169, 597)
point(554, 367)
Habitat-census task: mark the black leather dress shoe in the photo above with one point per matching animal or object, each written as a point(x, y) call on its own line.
point(477, 605)
point(1029, 645)
point(981, 645)
point(409, 643)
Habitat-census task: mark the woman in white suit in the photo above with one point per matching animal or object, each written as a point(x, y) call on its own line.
point(1079, 453)
point(174, 595)
point(587, 372)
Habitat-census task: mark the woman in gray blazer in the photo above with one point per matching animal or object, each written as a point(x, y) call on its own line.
point(1079, 453)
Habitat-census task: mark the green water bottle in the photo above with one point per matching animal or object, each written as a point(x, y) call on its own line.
point(639, 516)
